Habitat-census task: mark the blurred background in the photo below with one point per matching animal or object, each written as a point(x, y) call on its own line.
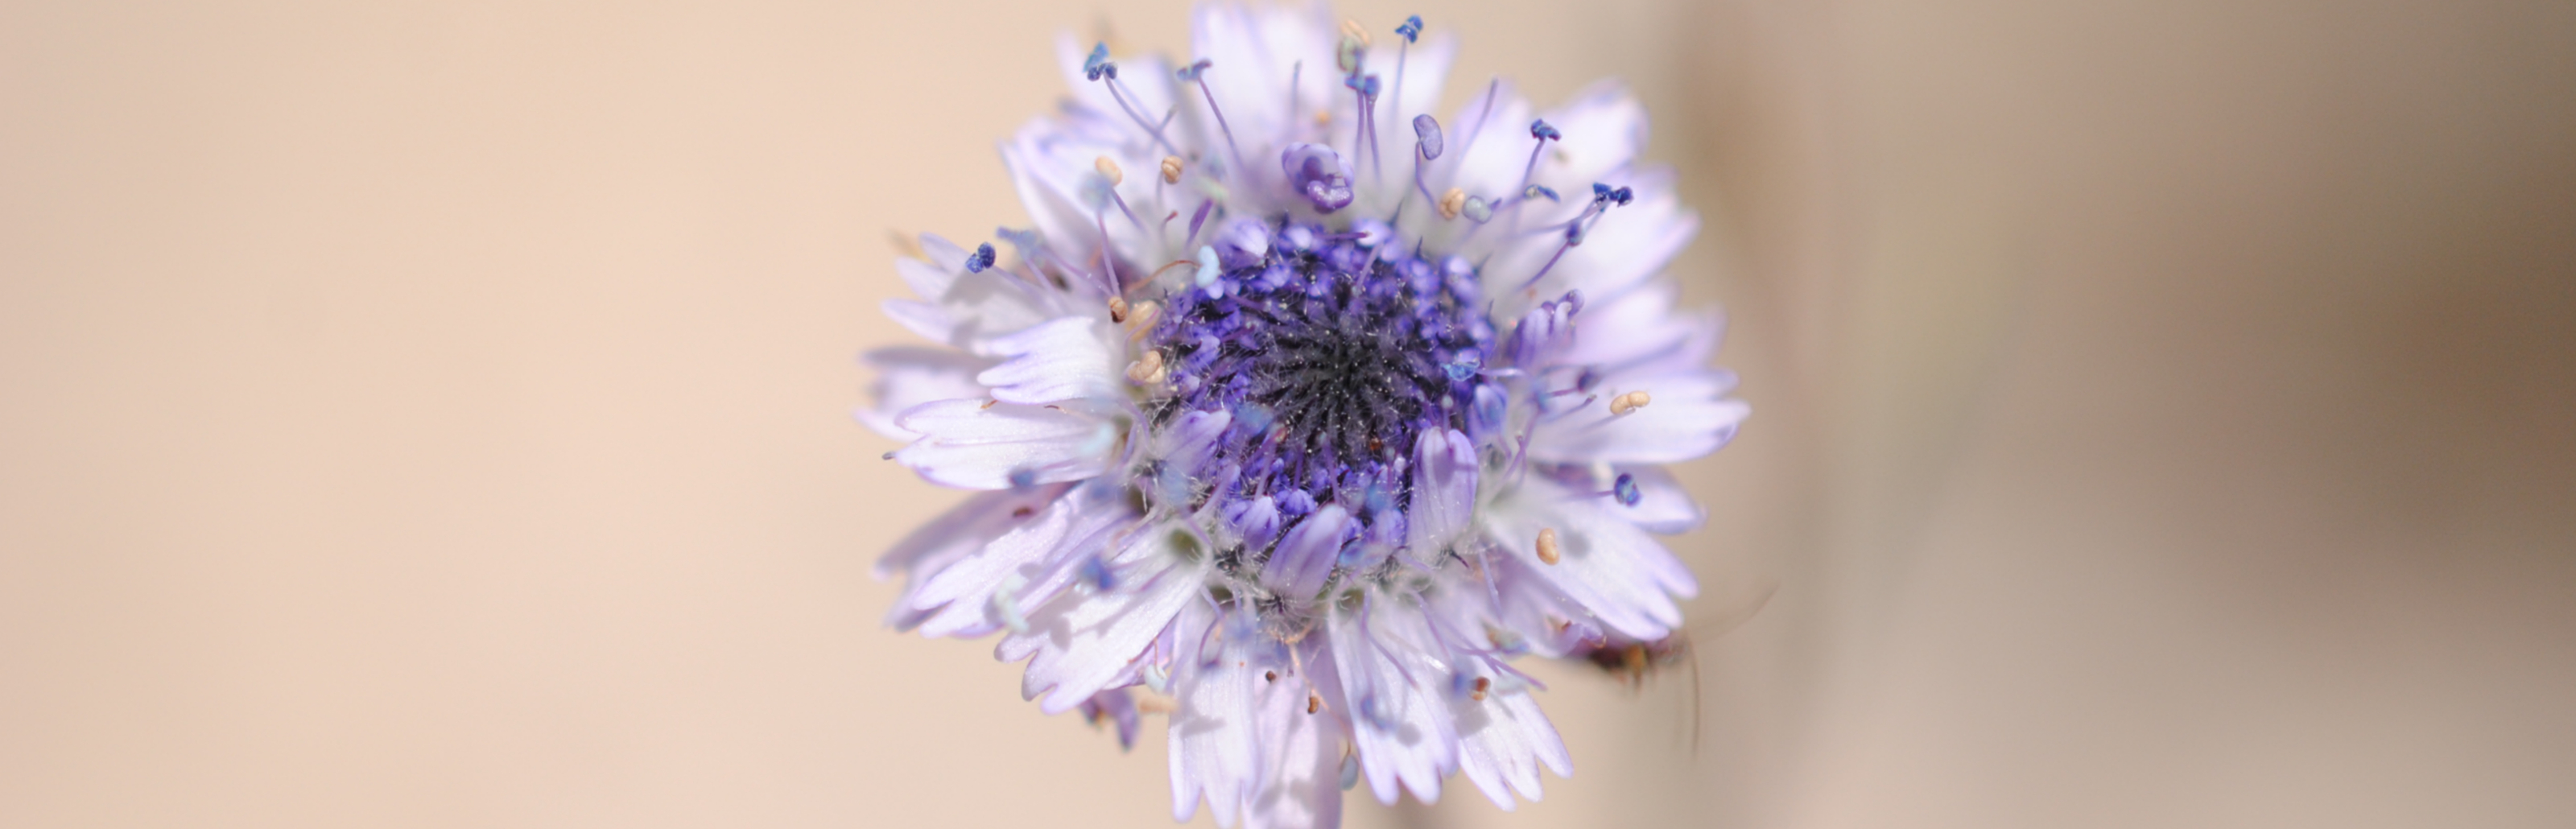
point(435, 414)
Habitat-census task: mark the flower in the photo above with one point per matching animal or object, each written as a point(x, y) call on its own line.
point(1307, 442)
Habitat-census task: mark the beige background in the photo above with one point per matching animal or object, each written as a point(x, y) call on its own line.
point(435, 414)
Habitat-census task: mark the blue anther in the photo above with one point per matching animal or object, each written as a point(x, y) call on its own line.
point(1621, 196)
point(1412, 28)
point(1427, 130)
point(1363, 84)
point(983, 258)
point(1626, 490)
point(1464, 365)
point(1539, 191)
point(1540, 130)
point(1098, 63)
point(1191, 72)
point(1600, 192)
point(1098, 575)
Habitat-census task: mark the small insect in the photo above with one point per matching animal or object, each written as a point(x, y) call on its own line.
point(1631, 661)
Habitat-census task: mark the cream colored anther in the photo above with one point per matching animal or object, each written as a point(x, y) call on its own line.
point(1117, 309)
point(1140, 318)
point(1632, 401)
point(1109, 170)
point(1171, 169)
point(1353, 30)
point(1547, 551)
point(1148, 370)
point(1451, 202)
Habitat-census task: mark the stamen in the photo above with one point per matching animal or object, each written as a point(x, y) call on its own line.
point(1603, 198)
point(1477, 209)
point(1098, 66)
point(1540, 134)
point(1314, 702)
point(1453, 202)
point(982, 258)
point(1171, 169)
point(1621, 405)
point(1364, 135)
point(1411, 30)
point(1117, 309)
point(1426, 148)
point(1547, 550)
point(1148, 370)
point(1197, 73)
point(1109, 170)
point(1482, 684)
point(1295, 72)
point(1140, 318)
point(1626, 490)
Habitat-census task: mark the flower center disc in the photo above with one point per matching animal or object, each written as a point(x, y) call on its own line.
point(1331, 357)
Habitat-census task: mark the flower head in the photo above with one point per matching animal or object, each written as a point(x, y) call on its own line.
point(1299, 443)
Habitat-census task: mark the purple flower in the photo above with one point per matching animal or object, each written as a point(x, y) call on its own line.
point(1309, 468)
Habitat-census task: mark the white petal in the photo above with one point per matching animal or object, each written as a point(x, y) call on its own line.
point(1609, 566)
point(1064, 359)
point(980, 445)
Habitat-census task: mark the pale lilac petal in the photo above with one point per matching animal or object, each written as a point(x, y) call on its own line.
point(983, 445)
point(1609, 566)
point(925, 319)
point(1689, 416)
point(1402, 728)
point(1502, 741)
point(1088, 635)
point(1213, 731)
point(909, 376)
point(927, 281)
point(943, 254)
point(961, 531)
point(1662, 506)
point(961, 597)
point(1300, 752)
point(1298, 566)
point(1444, 490)
point(1638, 328)
point(1605, 129)
point(1065, 359)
